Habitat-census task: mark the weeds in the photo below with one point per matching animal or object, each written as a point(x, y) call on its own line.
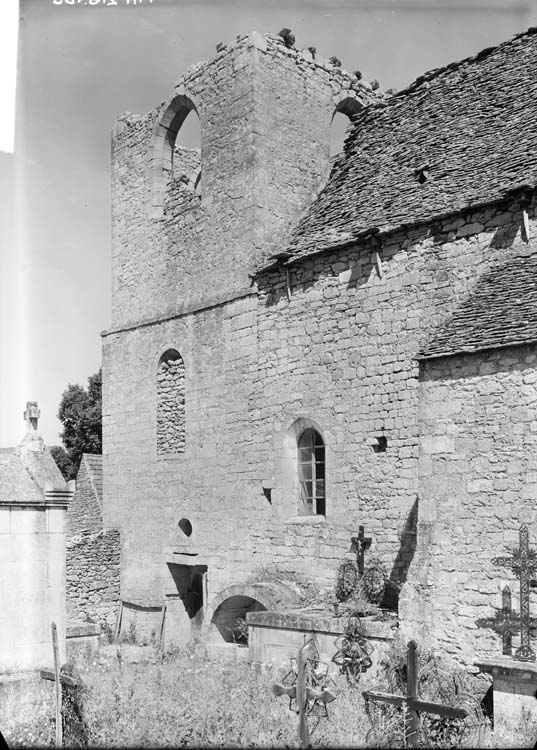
point(183, 700)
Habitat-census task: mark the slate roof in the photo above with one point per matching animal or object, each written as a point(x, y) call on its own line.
point(471, 125)
point(94, 467)
point(500, 311)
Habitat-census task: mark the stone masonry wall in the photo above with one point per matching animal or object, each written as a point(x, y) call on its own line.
point(265, 113)
point(83, 512)
point(339, 355)
point(171, 404)
point(92, 576)
point(32, 585)
point(478, 484)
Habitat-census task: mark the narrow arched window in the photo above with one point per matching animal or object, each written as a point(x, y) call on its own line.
point(339, 129)
point(311, 472)
point(171, 403)
point(174, 158)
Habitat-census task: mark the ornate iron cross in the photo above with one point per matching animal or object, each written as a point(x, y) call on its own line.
point(523, 563)
point(306, 686)
point(506, 622)
point(360, 544)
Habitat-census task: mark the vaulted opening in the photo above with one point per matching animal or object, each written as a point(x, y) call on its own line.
point(176, 151)
point(186, 155)
point(230, 618)
point(341, 120)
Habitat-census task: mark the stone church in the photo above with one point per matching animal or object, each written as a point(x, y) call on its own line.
point(298, 348)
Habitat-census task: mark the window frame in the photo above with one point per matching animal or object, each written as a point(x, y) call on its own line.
point(311, 470)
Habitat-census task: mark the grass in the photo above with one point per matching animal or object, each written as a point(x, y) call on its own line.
point(185, 700)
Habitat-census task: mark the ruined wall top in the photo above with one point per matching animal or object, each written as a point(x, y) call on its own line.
point(186, 224)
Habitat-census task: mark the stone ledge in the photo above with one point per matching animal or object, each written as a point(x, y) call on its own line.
point(320, 622)
point(308, 520)
point(82, 629)
point(184, 310)
point(509, 667)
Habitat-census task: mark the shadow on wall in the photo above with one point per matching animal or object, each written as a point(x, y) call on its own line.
point(403, 559)
point(370, 262)
point(467, 365)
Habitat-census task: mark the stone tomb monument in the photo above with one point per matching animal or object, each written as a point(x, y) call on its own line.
point(515, 675)
point(33, 503)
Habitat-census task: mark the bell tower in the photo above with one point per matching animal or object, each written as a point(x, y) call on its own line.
point(189, 229)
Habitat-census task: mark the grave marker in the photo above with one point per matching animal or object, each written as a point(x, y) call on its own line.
point(360, 544)
point(523, 563)
point(58, 677)
point(411, 703)
point(308, 688)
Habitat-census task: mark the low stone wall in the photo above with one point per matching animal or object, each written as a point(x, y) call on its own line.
point(82, 639)
point(92, 581)
point(275, 637)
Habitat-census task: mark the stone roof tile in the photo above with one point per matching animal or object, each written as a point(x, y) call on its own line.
point(94, 466)
point(500, 311)
point(460, 136)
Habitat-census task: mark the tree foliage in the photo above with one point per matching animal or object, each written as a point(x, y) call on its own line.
point(63, 462)
point(80, 413)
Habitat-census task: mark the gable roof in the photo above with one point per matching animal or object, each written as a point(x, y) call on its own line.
point(469, 128)
point(500, 311)
point(25, 475)
point(93, 464)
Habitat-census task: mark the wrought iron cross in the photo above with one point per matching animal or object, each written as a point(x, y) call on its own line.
point(523, 563)
point(506, 622)
point(360, 544)
point(306, 687)
point(411, 702)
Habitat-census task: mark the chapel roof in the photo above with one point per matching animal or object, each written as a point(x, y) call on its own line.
point(500, 311)
point(28, 472)
point(25, 475)
point(94, 466)
point(459, 136)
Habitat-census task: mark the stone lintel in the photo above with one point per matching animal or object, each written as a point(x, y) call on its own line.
point(181, 555)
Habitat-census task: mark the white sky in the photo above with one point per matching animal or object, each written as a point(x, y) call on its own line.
point(8, 69)
point(79, 67)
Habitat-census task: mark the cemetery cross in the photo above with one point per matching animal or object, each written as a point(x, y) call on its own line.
point(411, 702)
point(506, 622)
point(303, 693)
point(360, 544)
point(523, 562)
point(59, 678)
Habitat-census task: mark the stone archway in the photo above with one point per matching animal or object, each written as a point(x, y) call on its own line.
point(235, 601)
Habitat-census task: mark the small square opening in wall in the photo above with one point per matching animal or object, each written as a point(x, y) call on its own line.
point(381, 444)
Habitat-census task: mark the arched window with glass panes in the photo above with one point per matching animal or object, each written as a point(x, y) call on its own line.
point(311, 473)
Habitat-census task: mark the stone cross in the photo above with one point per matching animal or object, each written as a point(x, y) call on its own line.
point(523, 563)
point(360, 544)
point(411, 703)
point(31, 415)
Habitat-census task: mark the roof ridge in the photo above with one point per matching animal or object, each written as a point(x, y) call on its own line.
point(434, 73)
point(85, 456)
